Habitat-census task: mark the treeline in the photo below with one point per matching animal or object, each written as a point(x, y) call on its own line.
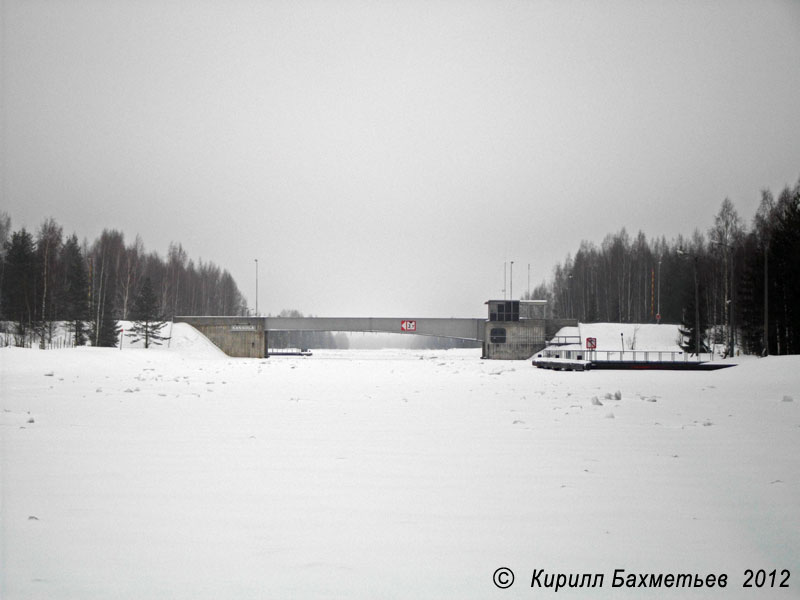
point(747, 279)
point(46, 278)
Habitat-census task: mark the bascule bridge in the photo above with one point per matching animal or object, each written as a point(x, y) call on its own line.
point(514, 329)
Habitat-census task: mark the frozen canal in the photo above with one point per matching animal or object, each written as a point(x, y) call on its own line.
point(387, 474)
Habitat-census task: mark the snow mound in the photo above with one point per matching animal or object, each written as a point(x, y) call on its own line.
point(187, 340)
point(182, 337)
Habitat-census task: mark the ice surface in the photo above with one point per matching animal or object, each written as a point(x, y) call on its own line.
point(181, 473)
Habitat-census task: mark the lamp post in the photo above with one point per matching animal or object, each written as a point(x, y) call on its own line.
point(569, 297)
point(529, 281)
point(511, 290)
point(256, 287)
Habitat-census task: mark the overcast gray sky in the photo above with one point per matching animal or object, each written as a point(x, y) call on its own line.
point(386, 158)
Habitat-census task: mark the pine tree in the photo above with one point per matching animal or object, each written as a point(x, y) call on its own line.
point(5, 235)
point(785, 245)
point(687, 328)
point(19, 285)
point(76, 299)
point(147, 320)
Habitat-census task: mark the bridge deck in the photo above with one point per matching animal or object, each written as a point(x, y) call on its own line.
point(462, 329)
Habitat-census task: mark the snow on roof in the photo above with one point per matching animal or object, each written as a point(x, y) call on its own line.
point(568, 332)
point(635, 336)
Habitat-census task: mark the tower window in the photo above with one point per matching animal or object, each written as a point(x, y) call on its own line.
point(497, 335)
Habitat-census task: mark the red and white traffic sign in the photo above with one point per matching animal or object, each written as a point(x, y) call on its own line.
point(591, 343)
point(408, 325)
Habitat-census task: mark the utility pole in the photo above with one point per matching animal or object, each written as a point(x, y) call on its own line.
point(658, 313)
point(256, 287)
point(733, 303)
point(766, 297)
point(511, 291)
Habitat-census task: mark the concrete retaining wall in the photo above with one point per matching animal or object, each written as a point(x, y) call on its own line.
point(241, 337)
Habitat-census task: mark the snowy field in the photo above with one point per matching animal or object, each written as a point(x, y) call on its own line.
point(182, 473)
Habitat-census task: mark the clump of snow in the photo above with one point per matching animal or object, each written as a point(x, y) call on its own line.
point(596, 401)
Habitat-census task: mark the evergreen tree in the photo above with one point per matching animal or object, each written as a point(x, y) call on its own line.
point(751, 299)
point(5, 235)
point(105, 329)
point(687, 328)
point(19, 286)
point(785, 245)
point(76, 298)
point(147, 320)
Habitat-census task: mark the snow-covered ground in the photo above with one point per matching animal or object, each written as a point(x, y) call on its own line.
point(181, 473)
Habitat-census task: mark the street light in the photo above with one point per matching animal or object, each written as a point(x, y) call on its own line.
point(256, 287)
point(696, 303)
point(569, 297)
